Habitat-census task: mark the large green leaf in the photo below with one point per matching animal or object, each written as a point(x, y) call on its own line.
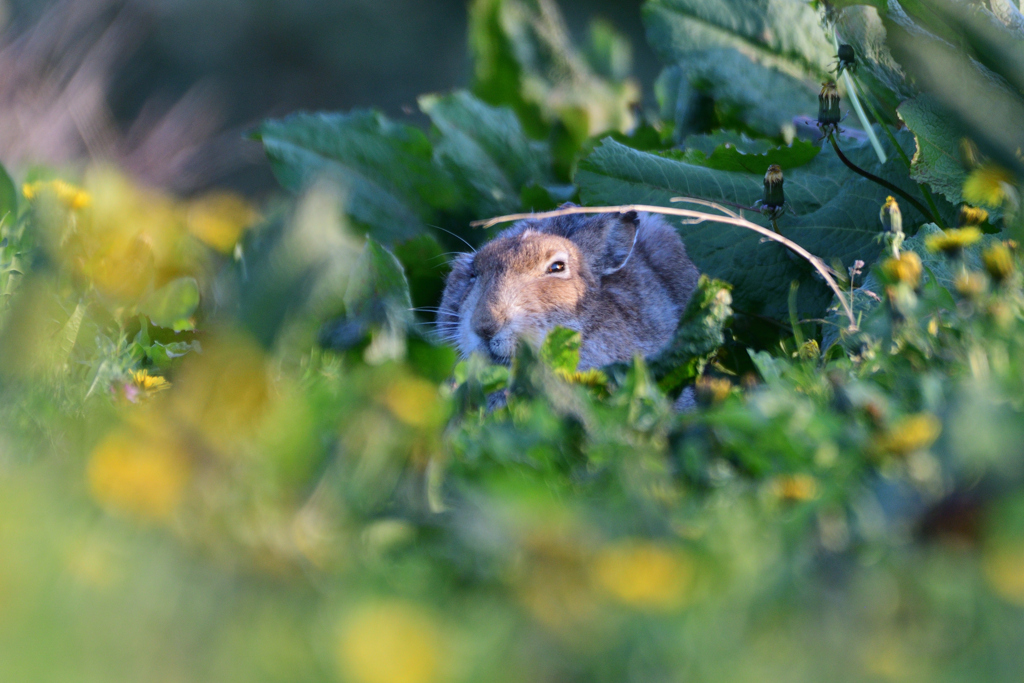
point(783, 34)
point(524, 57)
point(836, 216)
point(743, 93)
point(737, 63)
point(937, 160)
point(393, 186)
point(377, 298)
point(485, 151)
point(744, 155)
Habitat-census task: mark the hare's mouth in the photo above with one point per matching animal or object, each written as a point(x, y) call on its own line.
point(499, 359)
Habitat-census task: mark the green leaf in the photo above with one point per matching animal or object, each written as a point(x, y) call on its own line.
point(8, 195)
point(486, 151)
point(730, 157)
point(173, 304)
point(378, 296)
point(783, 34)
point(737, 63)
point(744, 94)
point(837, 217)
point(699, 334)
point(561, 349)
point(937, 160)
point(393, 186)
point(524, 57)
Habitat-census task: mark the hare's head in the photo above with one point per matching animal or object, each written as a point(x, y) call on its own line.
point(536, 275)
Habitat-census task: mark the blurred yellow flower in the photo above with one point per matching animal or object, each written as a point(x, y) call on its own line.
point(644, 575)
point(412, 400)
point(69, 195)
point(390, 642)
point(139, 474)
point(219, 218)
point(712, 390)
point(998, 261)
point(1003, 565)
point(971, 215)
point(905, 269)
point(225, 392)
point(989, 184)
point(953, 241)
point(970, 284)
point(911, 433)
point(794, 487)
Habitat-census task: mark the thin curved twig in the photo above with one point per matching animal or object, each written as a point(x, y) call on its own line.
point(817, 263)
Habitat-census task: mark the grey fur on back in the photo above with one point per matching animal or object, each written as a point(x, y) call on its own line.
point(626, 281)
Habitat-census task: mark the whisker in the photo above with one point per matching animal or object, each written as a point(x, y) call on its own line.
point(458, 237)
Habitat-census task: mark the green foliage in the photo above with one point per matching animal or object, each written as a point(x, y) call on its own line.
point(749, 62)
point(486, 151)
point(307, 487)
point(173, 304)
point(742, 155)
point(937, 161)
point(8, 197)
point(387, 170)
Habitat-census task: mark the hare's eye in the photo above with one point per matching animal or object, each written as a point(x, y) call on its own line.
point(557, 267)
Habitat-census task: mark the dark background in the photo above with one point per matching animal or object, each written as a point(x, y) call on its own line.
point(237, 61)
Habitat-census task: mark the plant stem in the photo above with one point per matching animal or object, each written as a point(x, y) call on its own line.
point(852, 92)
point(875, 179)
point(903, 155)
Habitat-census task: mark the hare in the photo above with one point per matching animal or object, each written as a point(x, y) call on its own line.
point(621, 280)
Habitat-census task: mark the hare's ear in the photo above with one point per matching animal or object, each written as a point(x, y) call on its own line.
point(620, 234)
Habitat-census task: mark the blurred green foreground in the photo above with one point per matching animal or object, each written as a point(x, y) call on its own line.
point(231, 448)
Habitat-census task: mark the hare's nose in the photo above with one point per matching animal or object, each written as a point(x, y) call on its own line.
point(486, 329)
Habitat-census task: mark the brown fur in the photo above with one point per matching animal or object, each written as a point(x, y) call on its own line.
point(626, 282)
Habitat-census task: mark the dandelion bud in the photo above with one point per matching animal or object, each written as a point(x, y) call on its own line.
point(892, 219)
point(828, 105)
point(998, 262)
point(971, 215)
point(773, 197)
point(847, 58)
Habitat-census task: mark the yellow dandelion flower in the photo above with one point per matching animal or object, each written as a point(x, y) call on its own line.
point(905, 269)
point(712, 390)
point(794, 488)
point(998, 262)
point(219, 219)
point(952, 242)
point(142, 476)
point(69, 195)
point(989, 185)
point(971, 215)
point(145, 384)
point(910, 434)
point(644, 575)
point(969, 284)
point(414, 401)
point(1003, 565)
point(391, 642)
